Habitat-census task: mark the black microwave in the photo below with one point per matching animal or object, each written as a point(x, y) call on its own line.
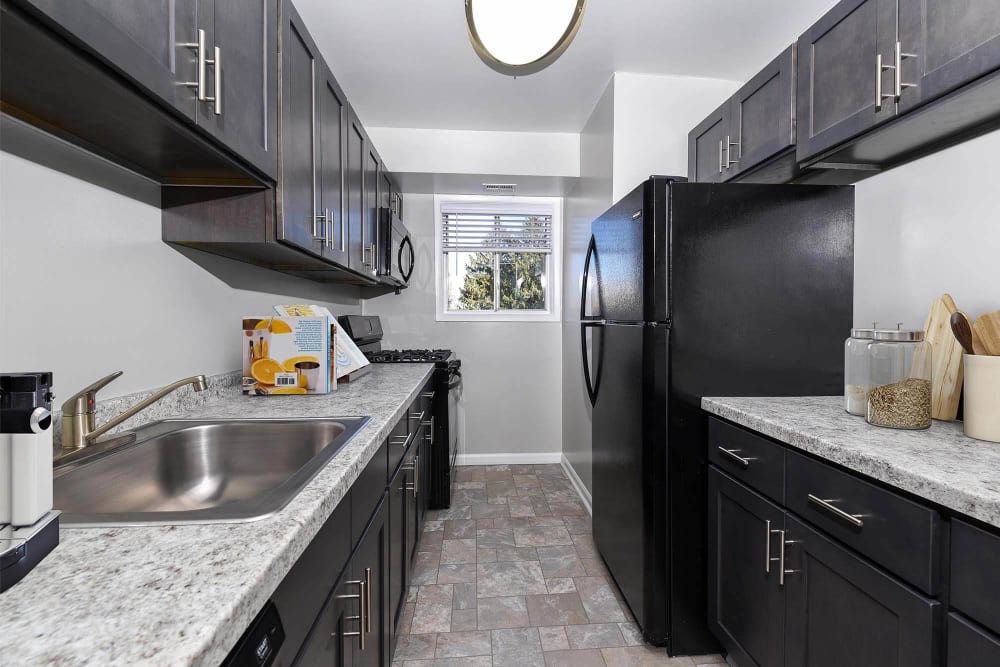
point(397, 256)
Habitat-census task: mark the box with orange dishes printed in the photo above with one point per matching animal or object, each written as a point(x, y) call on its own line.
point(288, 355)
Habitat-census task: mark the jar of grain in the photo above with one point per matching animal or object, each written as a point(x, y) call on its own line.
point(899, 371)
point(856, 382)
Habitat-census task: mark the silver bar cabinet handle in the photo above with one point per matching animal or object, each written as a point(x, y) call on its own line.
point(216, 63)
point(767, 546)
point(427, 394)
point(781, 558)
point(900, 57)
point(199, 48)
point(316, 233)
point(853, 519)
point(368, 600)
point(734, 455)
point(430, 436)
point(720, 156)
point(362, 617)
point(415, 417)
point(416, 475)
point(729, 151)
point(879, 95)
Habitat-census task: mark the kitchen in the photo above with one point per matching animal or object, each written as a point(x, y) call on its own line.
point(288, 188)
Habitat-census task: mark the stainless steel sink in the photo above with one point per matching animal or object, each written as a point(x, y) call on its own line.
point(206, 471)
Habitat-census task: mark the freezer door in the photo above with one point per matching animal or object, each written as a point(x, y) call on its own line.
point(629, 468)
point(631, 240)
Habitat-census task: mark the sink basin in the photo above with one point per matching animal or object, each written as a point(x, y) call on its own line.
point(205, 471)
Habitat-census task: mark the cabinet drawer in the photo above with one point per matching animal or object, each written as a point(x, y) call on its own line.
point(398, 441)
point(975, 574)
point(970, 645)
point(897, 533)
point(750, 458)
point(367, 491)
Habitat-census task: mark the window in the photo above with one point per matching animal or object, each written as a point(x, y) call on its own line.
point(498, 258)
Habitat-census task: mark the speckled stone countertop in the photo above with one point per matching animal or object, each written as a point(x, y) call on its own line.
point(183, 595)
point(940, 464)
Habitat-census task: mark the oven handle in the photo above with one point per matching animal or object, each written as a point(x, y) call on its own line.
point(456, 380)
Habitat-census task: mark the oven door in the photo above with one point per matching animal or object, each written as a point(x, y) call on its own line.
point(456, 417)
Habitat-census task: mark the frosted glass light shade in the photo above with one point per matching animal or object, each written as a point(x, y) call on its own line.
point(519, 37)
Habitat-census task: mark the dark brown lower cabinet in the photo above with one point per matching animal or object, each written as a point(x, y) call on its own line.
point(370, 564)
point(745, 603)
point(399, 555)
point(841, 610)
point(970, 644)
point(331, 642)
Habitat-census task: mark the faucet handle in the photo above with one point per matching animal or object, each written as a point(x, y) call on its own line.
point(83, 401)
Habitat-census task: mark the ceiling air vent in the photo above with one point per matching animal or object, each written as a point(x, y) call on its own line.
point(499, 188)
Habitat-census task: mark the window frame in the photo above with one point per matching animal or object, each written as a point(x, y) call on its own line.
point(553, 292)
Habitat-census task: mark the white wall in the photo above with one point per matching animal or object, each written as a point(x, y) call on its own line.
point(511, 370)
point(653, 115)
point(927, 228)
point(87, 287)
point(478, 152)
point(590, 198)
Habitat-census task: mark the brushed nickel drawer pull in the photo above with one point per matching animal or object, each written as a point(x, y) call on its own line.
point(734, 455)
point(853, 519)
point(767, 546)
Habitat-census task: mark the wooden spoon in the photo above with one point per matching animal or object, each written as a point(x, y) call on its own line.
point(988, 328)
point(963, 331)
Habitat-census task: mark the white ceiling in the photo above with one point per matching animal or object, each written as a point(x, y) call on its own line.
point(409, 63)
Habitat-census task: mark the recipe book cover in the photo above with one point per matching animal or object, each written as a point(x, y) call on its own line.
point(287, 356)
point(348, 357)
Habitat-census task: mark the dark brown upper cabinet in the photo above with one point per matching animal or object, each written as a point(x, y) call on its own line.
point(241, 89)
point(945, 44)
point(762, 122)
point(707, 147)
point(332, 114)
point(119, 79)
point(844, 86)
point(745, 137)
point(357, 140)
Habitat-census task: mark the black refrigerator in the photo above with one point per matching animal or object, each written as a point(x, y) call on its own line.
point(692, 290)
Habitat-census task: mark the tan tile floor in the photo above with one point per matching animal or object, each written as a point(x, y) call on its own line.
point(509, 576)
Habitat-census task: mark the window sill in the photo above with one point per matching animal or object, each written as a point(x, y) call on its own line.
point(497, 317)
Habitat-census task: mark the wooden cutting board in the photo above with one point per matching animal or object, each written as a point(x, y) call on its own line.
point(946, 386)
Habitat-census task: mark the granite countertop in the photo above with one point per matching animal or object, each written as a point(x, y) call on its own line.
point(183, 595)
point(940, 464)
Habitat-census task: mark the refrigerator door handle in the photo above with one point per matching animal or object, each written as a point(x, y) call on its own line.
point(584, 290)
point(592, 381)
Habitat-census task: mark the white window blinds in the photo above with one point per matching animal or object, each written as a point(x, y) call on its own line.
point(466, 230)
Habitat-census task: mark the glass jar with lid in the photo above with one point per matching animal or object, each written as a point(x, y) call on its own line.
point(856, 382)
point(900, 366)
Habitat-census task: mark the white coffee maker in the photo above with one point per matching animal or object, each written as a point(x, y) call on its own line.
point(29, 529)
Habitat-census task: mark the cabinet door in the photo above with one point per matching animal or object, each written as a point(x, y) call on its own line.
point(356, 154)
point(842, 611)
point(763, 115)
point(949, 43)
point(745, 600)
point(143, 40)
point(969, 644)
point(244, 80)
point(333, 638)
point(399, 561)
point(369, 229)
point(331, 109)
point(707, 147)
point(409, 468)
point(297, 223)
point(838, 77)
point(371, 565)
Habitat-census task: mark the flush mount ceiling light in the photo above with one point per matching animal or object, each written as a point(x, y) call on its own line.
point(521, 37)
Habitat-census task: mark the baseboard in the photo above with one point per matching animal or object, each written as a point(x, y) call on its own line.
point(581, 490)
point(508, 458)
